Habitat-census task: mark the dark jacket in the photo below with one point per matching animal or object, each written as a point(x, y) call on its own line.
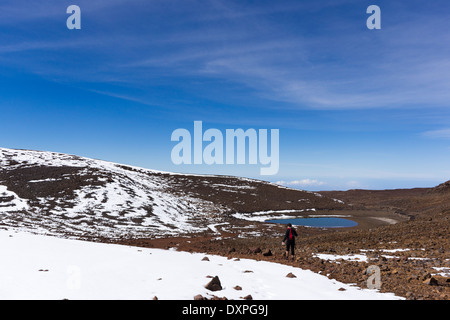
point(287, 235)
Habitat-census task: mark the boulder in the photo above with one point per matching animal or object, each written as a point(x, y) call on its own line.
point(431, 282)
point(255, 250)
point(215, 298)
point(290, 275)
point(214, 284)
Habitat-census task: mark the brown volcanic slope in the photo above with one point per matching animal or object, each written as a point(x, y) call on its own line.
point(66, 194)
point(443, 188)
point(415, 202)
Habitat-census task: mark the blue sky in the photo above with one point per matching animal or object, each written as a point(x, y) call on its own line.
point(356, 108)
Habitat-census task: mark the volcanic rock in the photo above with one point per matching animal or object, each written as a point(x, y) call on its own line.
point(214, 284)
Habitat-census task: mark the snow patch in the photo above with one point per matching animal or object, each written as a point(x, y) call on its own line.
point(10, 201)
point(50, 268)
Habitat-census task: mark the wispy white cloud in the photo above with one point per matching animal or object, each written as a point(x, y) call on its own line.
point(439, 134)
point(329, 71)
point(242, 44)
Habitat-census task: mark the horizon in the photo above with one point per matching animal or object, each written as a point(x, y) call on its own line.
point(279, 183)
point(355, 108)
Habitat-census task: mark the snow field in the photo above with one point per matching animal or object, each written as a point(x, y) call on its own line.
point(44, 267)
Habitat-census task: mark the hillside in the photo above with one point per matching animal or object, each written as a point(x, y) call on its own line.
point(442, 188)
point(416, 202)
point(71, 195)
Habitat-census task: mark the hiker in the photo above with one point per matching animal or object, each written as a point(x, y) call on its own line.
point(289, 241)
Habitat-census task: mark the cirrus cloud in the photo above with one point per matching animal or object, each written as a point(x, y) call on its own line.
point(438, 134)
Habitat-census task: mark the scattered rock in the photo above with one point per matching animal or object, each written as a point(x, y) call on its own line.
point(239, 288)
point(199, 297)
point(218, 298)
point(267, 253)
point(290, 275)
point(155, 298)
point(248, 271)
point(431, 282)
point(426, 276)
point(249, 297)
point(214, 284)
point(255, 250)
point(342, 289)
point(205, 259)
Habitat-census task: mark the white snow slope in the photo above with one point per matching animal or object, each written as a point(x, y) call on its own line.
point(116, 199)
point(43, 267)
point(66, 194)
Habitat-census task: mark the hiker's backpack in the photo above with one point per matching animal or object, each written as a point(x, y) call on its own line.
point(290, 234)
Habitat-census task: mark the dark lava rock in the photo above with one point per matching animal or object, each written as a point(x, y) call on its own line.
point(214, 284)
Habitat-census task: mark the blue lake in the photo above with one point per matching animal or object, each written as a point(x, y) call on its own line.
point(322, 222)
